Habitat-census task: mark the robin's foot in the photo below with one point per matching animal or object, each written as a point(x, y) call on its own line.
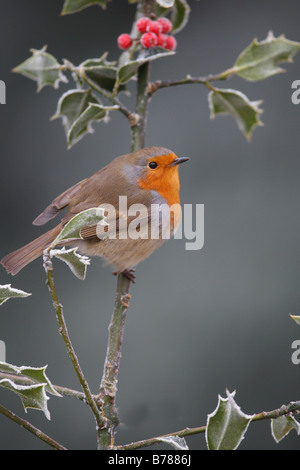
point(129, 273)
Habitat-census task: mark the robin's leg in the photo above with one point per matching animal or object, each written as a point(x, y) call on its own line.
point(129, 273)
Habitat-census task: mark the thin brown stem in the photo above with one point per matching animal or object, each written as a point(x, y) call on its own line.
point(29, 427)
point(291, 408)
point(188, 80)
point(68, 344)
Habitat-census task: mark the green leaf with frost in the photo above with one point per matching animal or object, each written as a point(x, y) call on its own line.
point(7, 292)
point(76, 262)
point(280, 427)
point(260, 59)
point(100, 73)
point(34, 394)
point(296, 318)
point(165, 3)
point(83, 125)
point(71, 231)
point(78, 109)
point(73, 6)
point(37, 374)
point(227, 425)
point(177, 442)
point(129, 69)
point(180, 15)
point(71, 105)
point(43, 68)
point(236, 104)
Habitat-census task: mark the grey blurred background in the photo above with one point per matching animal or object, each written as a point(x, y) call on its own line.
point(199, 321)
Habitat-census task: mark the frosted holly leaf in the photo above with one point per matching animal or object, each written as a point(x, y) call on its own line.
point(177, 442)
point(280, 427)
point(71, 231)
point(83, 124)
point(76, 262)
point(296, 318)
point(71, 105)
point(78, 109)
point(7, 292)
point(233, 102)
point(166, 3)
point(72, 6)
point(37, 374)
point(260, 59)
point(34, 394)
point(180, 15)
point(227, 425)
point(43, 68)
point(128, 70)
point(100, 73)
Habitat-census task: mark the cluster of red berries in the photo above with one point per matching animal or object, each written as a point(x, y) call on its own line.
point(154, 33)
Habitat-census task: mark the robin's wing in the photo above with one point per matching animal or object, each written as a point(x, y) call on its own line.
point(58, 204)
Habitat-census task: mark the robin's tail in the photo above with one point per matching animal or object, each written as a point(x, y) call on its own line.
point(17, 260)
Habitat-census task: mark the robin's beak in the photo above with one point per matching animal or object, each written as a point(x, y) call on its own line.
point(177, 161)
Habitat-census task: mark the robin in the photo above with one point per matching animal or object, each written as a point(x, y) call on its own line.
point(147, 177)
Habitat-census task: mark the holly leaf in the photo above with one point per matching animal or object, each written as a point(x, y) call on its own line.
point(71, 105)
point(76, 262)
point(165, 3)
point(296, 318)
point(7, 292)
point(78, 109)
point(129, 69)
point(236, 104)
point(177, 442)
point(43, 68)
point(280, 427)
point(71, 231)
point(37, 374)
point(180, 15)
point(72, 6)
point(101, 73)
point(260, 59)
point(227, 425)
point(83, 125)
point(33, 395)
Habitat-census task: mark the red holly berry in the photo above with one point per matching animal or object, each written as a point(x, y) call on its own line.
point(170, 43)
point(166, 25)
point(149, 40)
point(124, 41)
point(142, 24)
point(154, 27)
point(161, 40)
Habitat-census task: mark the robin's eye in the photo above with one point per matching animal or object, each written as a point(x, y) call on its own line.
point(153, 165)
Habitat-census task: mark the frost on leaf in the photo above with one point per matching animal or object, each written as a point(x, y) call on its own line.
point(166, 3)
point(32, 395)
point(8, 292)
point(76, 262)
point(296, 318)
point(233, 102)
point(177, 442)
point(71, 231)
point(78, 109)
point(127, 70)
point(43, 68)
point(101, 73)
point(227, 425)
point(72, 6)
point(280, 427)
point(260, 59)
